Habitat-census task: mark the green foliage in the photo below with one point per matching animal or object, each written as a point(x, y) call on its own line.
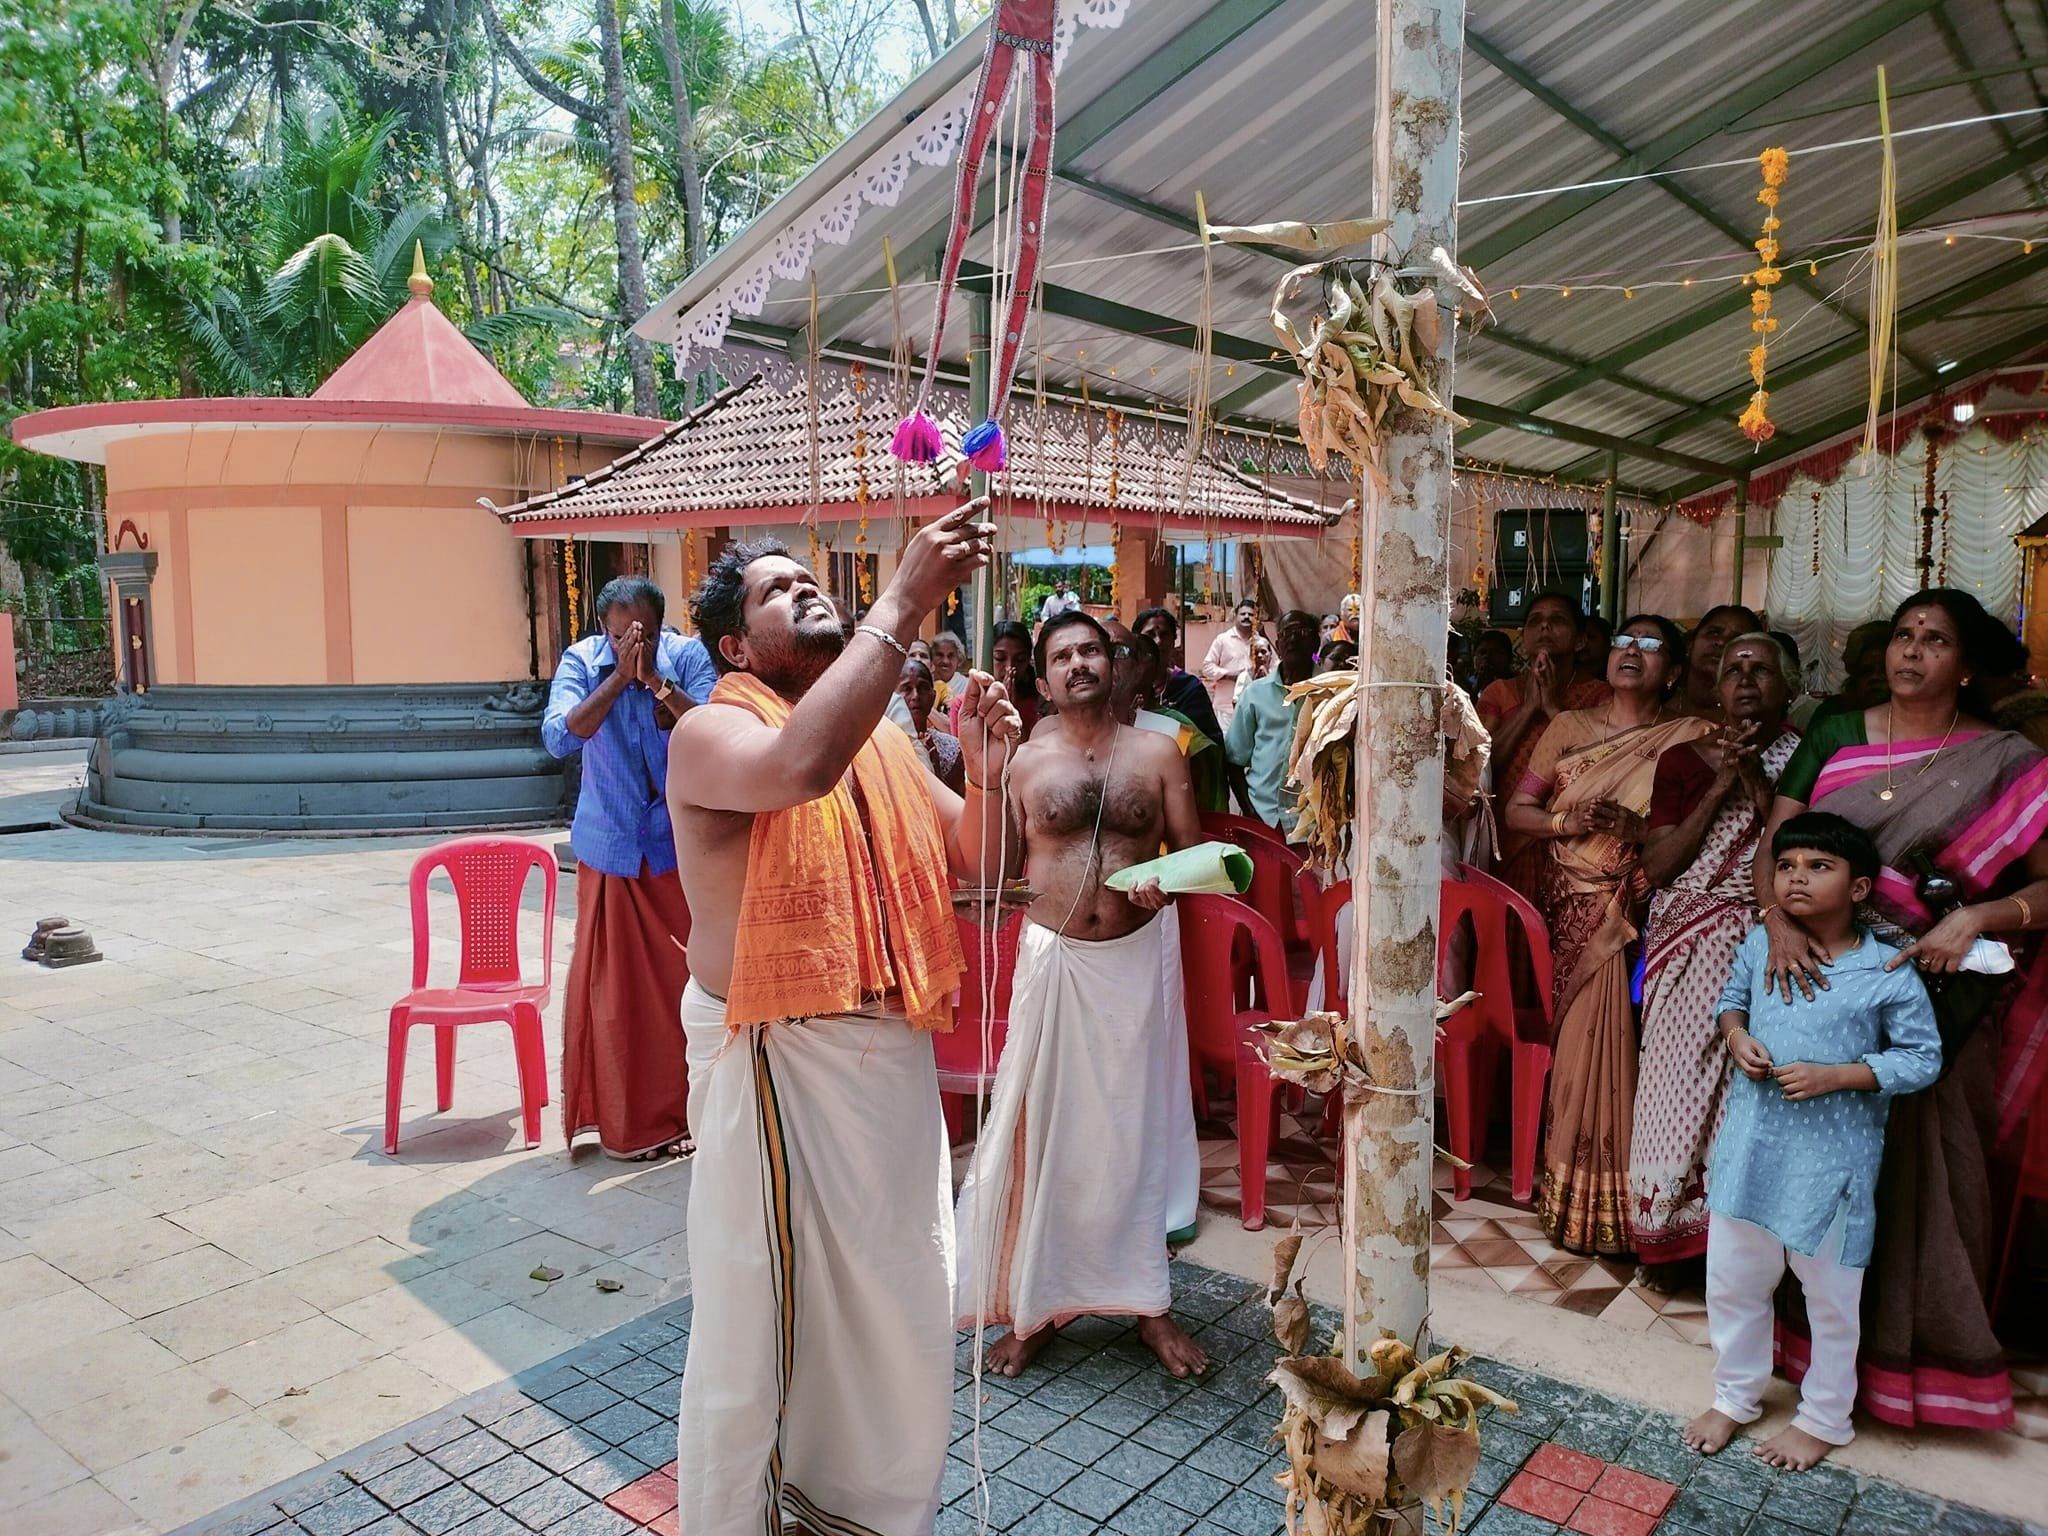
point(215, 198)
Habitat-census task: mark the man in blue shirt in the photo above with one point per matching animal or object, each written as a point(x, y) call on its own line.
point(1262, 731)
point(615, 697)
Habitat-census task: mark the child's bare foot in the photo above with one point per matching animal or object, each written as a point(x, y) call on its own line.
point(1793, 1449)
point(1013, 1352)
point(1176, 1351)
point(1709, 1432)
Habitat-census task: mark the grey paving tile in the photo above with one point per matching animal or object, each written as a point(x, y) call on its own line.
point(1507, 1442)
point(1698, 1510)
point(621, 1422)
point(1885, 1509)
point(1083, 1443)
point(603, 1358)
point(1794, 1502)
point(495, 1404)
point(1833, 1481)
point(543, 1506)
point(955, 1522)
point(1053, 1520)
point(571, 1448)
point(1176, 1437)
point(1040, 1470)
point(1735, 1476)
point(1502, 1521)
point(1154, 1388)
point(1245, 1513)
point(1105, 1371)
point(1119, 1415)
point(1232, 1462)
point(997, 1449)
point(1210, 1410)
point(654, 1446)
point(597, 1520)
point(1771, 1525)
point(1096, 1495)
point(530, 1425)
point(409, 1481)
point(1007, 1502)
point(1028, 1422)
point(1956, 1520)
point(250, 1522)
point(390, 1525)
point(637, 1375)
point(474, 1451)
point(1065, 1395)
point(602, 1476)
point(492, 1522)
point(370, 1468)
point(1657, 1452)
point(437, 1431)
point(579, 1402)
point(507, 1479)
point(1147, 1516)
point(1254, 1426)
point(1599, 1428)
point(663, 1400)
point(439, 1513)
point(318, 1491)
point(1196, 1492)
point(1136, 1465)
point(348, 1511)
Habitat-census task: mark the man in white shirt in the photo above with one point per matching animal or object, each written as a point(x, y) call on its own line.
point(1232, 655)
point(1062, 601)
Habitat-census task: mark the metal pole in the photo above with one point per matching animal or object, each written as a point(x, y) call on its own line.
point(1741, 534)
point(1403, 634)
point(1610, 542)
point(978, 327)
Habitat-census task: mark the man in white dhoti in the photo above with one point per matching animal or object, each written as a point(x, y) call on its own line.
point(1087, 1158)
point(815, 850)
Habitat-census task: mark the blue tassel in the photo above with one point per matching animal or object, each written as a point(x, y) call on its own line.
point(984, 447)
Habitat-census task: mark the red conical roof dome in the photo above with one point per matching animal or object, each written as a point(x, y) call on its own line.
point(419, 357)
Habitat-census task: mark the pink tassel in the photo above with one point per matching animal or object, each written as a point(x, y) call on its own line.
point(985, 448)
point(917, 440)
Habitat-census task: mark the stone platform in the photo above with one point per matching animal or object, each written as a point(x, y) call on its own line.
point(362, 758)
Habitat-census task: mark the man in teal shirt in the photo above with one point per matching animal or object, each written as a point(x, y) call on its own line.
point(1262, 730)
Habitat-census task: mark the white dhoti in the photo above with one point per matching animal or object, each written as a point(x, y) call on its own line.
point(1087, 1158)
point(818, 1386)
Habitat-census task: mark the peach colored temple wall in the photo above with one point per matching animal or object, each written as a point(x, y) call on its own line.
point(334, 554)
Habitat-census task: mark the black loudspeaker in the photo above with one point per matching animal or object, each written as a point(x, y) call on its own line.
point(1541, 549)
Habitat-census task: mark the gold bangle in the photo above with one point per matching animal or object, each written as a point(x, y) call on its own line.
point(2026, 912)
point(1557, 823)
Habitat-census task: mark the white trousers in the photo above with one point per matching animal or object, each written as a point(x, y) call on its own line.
point(1744, 1265)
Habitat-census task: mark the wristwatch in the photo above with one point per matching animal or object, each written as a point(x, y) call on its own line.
point(662, 689)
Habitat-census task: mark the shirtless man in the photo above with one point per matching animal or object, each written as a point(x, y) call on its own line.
point(1087, 1160)
point(815, 849)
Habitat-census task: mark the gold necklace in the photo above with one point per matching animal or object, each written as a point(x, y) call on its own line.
point(1886, 793)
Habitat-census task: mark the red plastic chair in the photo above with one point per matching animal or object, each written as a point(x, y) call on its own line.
point(489, 875)
point(1233, 970)
point(964, 1077)
point(1230, 828)
point(1275, 869)
point(1524, 1024)
point(1320, 905)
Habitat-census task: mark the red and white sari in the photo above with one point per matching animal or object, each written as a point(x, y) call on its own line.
point(1695, 926)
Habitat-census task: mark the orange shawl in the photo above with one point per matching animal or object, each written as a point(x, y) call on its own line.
point(811, 941)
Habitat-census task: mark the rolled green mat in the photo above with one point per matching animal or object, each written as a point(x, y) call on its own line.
point(1206, 868)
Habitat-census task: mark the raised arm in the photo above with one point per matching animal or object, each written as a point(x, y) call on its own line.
point(722, 758)
point(980, 847)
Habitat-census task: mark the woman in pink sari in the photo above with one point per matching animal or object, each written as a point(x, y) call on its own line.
point(1587, 796)
point(1959, 811)
point(1707, 809)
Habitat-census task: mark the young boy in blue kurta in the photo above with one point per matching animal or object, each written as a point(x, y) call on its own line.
point(1793, 1174)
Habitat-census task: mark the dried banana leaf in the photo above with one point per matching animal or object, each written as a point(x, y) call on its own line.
point(1322, 239)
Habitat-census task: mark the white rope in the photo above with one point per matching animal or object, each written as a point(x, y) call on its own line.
point(1750, 160)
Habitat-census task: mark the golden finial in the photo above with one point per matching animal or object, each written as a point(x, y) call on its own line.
point(420, 284)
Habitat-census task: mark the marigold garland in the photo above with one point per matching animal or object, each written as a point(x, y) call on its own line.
point(1755, 420)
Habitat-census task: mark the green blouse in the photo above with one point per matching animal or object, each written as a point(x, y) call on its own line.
point(1827, 737)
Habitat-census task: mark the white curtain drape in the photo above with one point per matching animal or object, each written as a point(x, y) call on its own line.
point(1868, 527)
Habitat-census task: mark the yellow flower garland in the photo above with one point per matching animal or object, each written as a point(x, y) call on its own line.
point(1755, 420)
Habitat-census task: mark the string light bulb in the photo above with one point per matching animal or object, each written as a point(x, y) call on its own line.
point(1514, 293)
point(2027, 249)
point(1565, 291)
point(1813, 269)
point(1949, 240)
point(1628, 293)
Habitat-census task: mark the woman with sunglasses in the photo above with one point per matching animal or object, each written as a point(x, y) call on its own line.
point(1959, 812)
point(1587, 796)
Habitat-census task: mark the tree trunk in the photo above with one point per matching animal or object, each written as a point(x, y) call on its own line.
point(618, 122)
point(689, 177)
point(931, 27)
point(1403, 633)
